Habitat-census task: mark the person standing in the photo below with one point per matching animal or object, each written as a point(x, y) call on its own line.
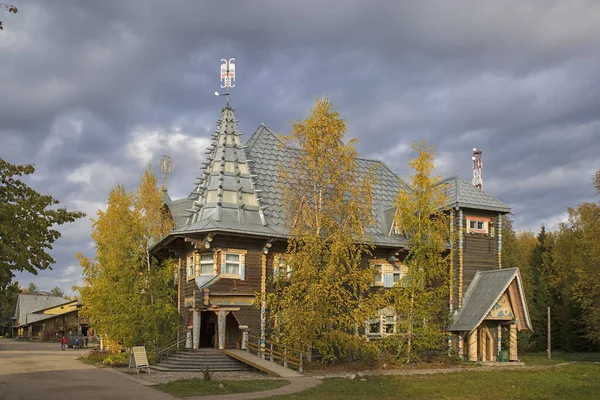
point(77, 344)
point(63, 343)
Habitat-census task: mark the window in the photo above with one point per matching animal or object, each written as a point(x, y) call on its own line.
point(375, 327)
point(378, 273)
point(397, 273)
point(190, 267)
point(232, 264)
point(477, 225)
point(281, 267)
point(390, 325)
point(206, 264)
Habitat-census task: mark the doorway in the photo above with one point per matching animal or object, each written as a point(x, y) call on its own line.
point(208, 329)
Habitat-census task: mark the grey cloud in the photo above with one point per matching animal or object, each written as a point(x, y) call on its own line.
point(519, 79)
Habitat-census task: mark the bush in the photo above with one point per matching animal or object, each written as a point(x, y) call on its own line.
point(337, 347)
point(97, 355)
point(50, 335)
point(117, 360)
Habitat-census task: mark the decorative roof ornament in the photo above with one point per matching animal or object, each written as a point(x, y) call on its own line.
point(227, 77)
point(165, 164)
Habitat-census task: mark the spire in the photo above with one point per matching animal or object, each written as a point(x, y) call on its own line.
point(225, 191)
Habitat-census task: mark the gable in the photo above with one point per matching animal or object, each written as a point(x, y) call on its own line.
point(502, 309)
point(487, 290)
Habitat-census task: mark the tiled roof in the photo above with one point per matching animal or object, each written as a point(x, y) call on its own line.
point(463, 194)
point(30, 303)
point(482, 294)
point(268, 153)
point(264, 154)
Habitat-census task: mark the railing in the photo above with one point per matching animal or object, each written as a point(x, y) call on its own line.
point(164, 353)
point(276, 352)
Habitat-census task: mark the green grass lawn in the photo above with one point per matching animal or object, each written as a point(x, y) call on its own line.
point(557, 358)
point(200, 387)
point(576, 381)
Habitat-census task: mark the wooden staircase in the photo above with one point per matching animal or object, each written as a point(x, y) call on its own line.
point(198, 360)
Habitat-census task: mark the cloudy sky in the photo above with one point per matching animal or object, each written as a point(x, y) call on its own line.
point(93, 91)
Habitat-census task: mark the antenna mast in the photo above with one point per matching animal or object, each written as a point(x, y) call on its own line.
point(477, 169)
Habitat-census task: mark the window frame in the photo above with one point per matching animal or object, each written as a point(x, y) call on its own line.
point(205, 262)
point(241, 261)
point(190, 267)
point(477, 221)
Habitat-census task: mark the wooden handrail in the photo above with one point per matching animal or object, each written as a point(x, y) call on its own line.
point(286, 356)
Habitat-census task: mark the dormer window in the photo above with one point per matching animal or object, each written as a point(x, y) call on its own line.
point(478, 225)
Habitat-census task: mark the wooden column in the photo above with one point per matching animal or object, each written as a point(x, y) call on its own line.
point(482, 345)
point(196, 329)
point(473, 346)
point(499, 339)
point(489, 345)
point(499, 240)
point(221, 322)
point(263, 300)
point(460, 258)
point(514, 355)
point(451, 300)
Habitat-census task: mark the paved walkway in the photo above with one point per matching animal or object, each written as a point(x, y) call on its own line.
point(31, 370)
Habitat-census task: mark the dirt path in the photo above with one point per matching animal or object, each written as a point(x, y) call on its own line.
point(30, 370)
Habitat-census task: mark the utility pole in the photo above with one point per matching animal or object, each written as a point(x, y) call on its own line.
point(549, 337)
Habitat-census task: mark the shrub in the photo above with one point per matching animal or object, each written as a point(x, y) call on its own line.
point(117, 360)
point(50, 335)
point(206, 374)
point(97, 355)
point(337, 347)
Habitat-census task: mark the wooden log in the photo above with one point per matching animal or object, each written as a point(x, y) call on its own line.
point(473, 346)
point(514, 356)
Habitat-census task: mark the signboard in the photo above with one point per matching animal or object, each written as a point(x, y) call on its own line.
point(138, 358)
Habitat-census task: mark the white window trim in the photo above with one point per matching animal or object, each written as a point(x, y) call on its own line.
point(276, 266)
point(485, 221)
point(212, 264)
point(224, 252)
point(190, 270)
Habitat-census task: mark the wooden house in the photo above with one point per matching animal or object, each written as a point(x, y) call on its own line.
point(231, 236)
point(39, 316)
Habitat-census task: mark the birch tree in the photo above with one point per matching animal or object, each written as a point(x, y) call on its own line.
point(128, 296)
point(421, 298)
point(328, 203)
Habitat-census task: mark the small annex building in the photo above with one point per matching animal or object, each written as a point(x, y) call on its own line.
point(494, 307)
point(231, 234)
point(40, 316)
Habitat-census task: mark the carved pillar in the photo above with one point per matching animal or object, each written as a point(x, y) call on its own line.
point(499, 240)
point(188, 340)
point(451, 300)
point(263, 300)
point(473, 346)
point(514, 355)
point(460, 257)
point(499, 339)
point(489, 345)
point(221, 322)
point(196, 329)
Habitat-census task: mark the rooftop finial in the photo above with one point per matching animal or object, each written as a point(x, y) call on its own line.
point(227, 77)
point(166, 167)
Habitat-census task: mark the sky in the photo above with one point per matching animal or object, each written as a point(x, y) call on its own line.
point(93, 92)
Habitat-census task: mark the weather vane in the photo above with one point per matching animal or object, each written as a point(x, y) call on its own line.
point(166, 167)
point(227, 77)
